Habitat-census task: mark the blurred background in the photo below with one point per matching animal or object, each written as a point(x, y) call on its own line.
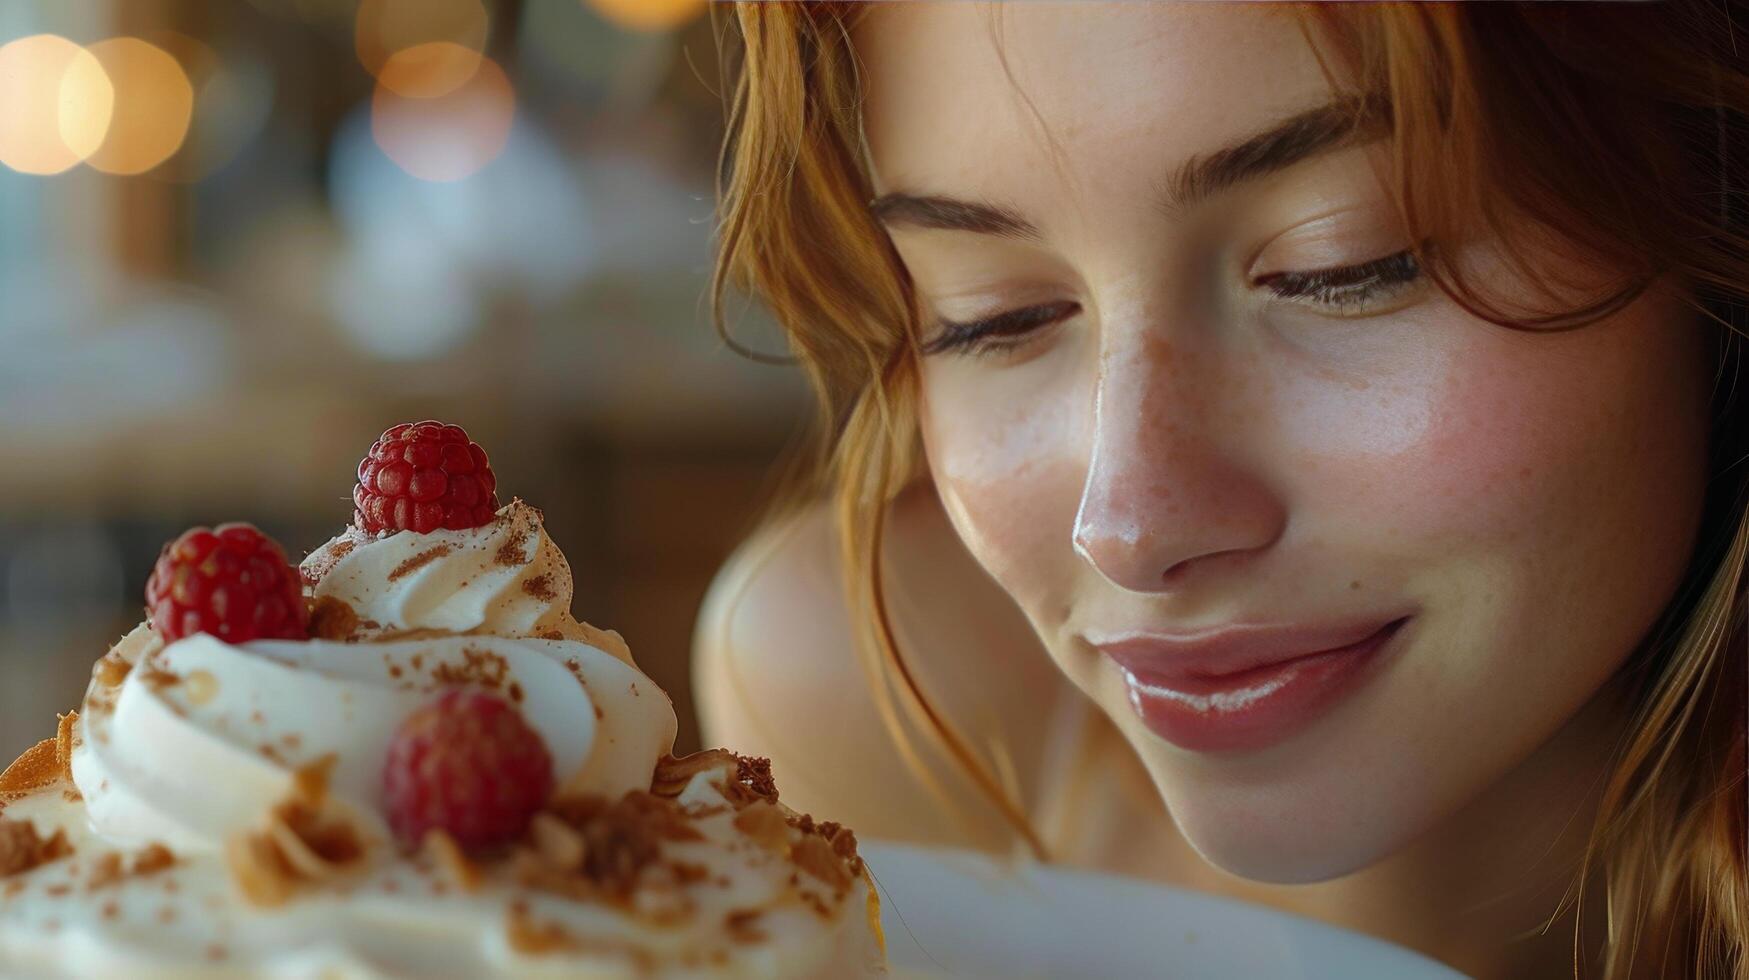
point(239, 238)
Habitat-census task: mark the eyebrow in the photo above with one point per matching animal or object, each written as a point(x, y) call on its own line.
point(1299, 137)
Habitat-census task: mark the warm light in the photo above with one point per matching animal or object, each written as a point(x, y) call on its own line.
point(232, 98)
point(426, 71)
point(385, 27)
point(153, 105)
point(452, 135)
point(55, 104)
point(648, 15)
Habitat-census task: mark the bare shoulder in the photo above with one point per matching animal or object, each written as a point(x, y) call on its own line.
point(763, 649)
point(777, 673)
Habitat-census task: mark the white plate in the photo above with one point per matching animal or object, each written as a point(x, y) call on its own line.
point(950, 913)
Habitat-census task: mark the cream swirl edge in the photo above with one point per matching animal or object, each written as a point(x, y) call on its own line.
point(202, 737)
point(506, 578)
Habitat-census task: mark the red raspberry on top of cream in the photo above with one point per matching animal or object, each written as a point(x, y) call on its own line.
point(231, 581)
point(422, 476)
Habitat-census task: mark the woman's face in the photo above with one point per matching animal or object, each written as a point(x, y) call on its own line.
point(1183, 457)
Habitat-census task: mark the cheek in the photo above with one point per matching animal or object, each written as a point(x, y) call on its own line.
point(1436, 452)
point(1504, 440)
point(1009, 460)
point(1543, 516)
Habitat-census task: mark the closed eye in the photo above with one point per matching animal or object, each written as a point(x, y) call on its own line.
point(1348, 290)
point(999, 332)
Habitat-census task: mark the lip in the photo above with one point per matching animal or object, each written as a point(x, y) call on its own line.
point(1247, 687)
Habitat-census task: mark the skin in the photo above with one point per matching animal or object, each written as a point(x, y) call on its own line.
point(1186, 450)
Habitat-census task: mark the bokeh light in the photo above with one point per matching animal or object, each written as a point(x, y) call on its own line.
point(648, 15)
point(384, 27)
point(55, 104)
point(233, 98)
point(452, 135)
point(429, 70)
point(154, 103)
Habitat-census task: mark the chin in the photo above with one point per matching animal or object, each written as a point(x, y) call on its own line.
point(1275, 850)
point(1267, 829)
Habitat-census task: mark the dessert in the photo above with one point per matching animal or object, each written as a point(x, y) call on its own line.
point(403, 758)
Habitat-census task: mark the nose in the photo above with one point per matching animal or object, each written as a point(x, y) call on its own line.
point(1172, 481)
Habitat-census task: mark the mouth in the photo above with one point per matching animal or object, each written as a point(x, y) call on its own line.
point(1246, 688)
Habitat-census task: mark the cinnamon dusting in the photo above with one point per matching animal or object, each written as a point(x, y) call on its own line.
point(513, 552)
point(540, 587)
point(157, 677)
point(153, 859)
point(317, 567)
point(111, 670)
point(105, 871)
point(419, 561)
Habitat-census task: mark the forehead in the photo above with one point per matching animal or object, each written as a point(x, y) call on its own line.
point(960, 96)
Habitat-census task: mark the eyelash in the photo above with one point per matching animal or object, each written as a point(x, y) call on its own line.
point(1342, 289)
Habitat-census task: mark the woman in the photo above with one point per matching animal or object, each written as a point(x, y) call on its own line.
point(1340, 398)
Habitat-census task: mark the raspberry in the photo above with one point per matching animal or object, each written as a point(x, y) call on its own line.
point(421, 476)
point(467, 764)
point(231, 581)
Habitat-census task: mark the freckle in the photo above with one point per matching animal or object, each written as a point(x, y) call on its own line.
point(1354, 584)
point(1524, 471)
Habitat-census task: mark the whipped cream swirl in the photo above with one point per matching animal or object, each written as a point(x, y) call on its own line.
point(506, 578)
point(201, 737)
point(191, 744)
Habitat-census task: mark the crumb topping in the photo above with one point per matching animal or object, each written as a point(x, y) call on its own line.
point(591, 849)
point(36, 769)
point(560, 845)
point(751, 782)
point(332, 619)
point(478, 667)
point(42, 765)
point(448, 854)
point(765, 825)
point(535, 938)
point(22, 848)
point(742, 925)
point(303, 842)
